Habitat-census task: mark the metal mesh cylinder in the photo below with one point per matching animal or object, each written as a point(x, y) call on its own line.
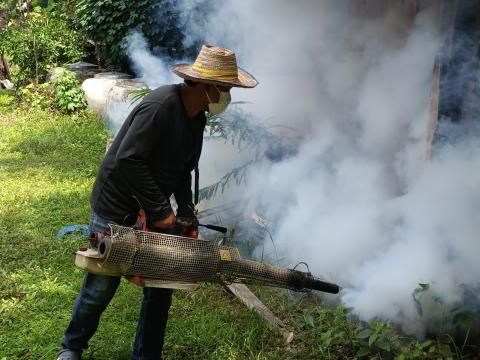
point(176, 258)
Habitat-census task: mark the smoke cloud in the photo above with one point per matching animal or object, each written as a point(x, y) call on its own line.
point(152, 70)
point(358, 201)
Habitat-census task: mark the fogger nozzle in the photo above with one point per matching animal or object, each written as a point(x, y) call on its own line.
point(320, 285)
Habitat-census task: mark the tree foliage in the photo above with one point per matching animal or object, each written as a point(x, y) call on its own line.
point(37, 41)
point(107, 23)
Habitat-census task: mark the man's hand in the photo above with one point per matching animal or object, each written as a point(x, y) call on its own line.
point(137, 280)
point(169, 222)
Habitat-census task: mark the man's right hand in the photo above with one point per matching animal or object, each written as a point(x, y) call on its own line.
point(166, 223)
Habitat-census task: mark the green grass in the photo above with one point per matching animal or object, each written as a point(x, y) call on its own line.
point(48, 163)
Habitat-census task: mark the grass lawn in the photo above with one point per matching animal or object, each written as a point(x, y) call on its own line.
point(48, 163)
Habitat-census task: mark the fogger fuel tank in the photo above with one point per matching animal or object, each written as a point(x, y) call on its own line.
point(167, 259)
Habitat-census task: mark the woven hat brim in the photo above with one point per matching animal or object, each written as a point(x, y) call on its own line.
point(244, 80)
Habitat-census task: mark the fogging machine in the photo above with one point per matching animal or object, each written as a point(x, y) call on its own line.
point(172, 261)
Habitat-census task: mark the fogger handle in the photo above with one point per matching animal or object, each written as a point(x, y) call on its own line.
point(187, 223)
point(215, 228)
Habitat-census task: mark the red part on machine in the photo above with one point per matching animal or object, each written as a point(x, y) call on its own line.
point(192, 233)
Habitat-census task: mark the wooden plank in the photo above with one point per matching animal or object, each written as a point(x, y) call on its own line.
point(245, 295)
point(433, 111)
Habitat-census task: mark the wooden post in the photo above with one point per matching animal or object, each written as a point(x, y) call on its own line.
point(435, 89)
point(451, 30)
point(245, 295)
point(251, 301)
point(433, 110)
point(411, 8)
point(4, 74)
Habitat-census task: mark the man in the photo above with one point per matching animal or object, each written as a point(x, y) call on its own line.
point(152, 158)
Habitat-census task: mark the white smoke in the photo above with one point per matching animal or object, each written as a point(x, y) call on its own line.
point(111, 97)
point(152, 70)
point(358, 202)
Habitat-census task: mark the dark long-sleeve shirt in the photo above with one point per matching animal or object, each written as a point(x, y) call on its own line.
point(151, 158)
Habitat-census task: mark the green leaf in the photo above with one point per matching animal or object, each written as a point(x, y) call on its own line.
point(372, 339)
point(384, 345)
point(463, 318)
point(363, 351)
point(424, 286)
point(364, 334)
point(309, 320)
point(425, 344)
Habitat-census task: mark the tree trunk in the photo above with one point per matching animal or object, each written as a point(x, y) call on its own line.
point(3, 68)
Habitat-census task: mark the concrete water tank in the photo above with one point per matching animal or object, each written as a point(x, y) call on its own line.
point(109, 93)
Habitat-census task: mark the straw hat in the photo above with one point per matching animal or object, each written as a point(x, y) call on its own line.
point(218, 66)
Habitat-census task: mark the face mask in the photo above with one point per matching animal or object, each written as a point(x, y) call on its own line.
point(221, 105)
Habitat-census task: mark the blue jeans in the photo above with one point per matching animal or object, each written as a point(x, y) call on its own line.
point(95, 295)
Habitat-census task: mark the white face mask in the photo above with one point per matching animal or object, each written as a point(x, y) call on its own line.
point(221, 105)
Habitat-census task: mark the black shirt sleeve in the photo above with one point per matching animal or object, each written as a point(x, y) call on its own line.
point(183, 196)
point(141, 138)
point(183, 190)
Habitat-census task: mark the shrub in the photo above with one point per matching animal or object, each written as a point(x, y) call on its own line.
point(38, 41)
point(37, 96)
point(62, 93)
point(69, 97)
